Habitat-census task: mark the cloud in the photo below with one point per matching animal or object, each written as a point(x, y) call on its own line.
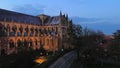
point(82, 20)
point(107, 25)
point(30, 9)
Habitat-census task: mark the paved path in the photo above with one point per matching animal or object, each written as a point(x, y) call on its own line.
point(65, 61)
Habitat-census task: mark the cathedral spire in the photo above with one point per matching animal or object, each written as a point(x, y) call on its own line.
point(66, 16)
point(60, 13)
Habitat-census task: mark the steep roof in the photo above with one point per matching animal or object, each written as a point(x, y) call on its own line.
point(53, 20)
point(18, 17)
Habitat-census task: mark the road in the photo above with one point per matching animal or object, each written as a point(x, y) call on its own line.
point(65, 61)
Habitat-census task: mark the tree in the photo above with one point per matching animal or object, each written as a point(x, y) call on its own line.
point(74, 36)
point(70, 32)
point(117, 38)
point(114, 48)
point(78, 38)
point(90, 48)
point(84, 39)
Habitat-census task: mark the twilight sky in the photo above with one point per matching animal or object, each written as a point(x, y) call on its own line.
point(101, 15)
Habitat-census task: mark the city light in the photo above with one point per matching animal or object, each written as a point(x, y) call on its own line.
point(40, 60)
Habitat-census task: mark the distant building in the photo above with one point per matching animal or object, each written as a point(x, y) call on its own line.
point(17, 30)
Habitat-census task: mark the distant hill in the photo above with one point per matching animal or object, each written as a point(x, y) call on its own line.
point(105, 25)
point(80, 19)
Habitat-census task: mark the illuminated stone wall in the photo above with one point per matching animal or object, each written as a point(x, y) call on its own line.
point(51, 33)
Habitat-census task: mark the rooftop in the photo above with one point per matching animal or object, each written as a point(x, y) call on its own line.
point(18, 17)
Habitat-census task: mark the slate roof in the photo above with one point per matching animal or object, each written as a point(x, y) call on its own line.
point(53, 20)
point(18, 17)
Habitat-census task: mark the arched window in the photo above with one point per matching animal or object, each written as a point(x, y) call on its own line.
point(19, 34)
point(56, 29)
point(35, 42)
point(36, 29)
point(36, 32)
point(8, 27)
point(32, 29)
point(5, 28)
point(52, 29)
point(44, 31)
point(11, 43)
point(12, 34)
point(1, 26)
point(25, 43)
point(14, 28)
point(2, 30)
point(21, 29)
point(19, 43)
point(40, 30)
point(25, 34)
point(30, 42)
point(27, 29)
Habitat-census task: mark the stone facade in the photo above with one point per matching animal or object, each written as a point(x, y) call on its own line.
point(17, 30)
